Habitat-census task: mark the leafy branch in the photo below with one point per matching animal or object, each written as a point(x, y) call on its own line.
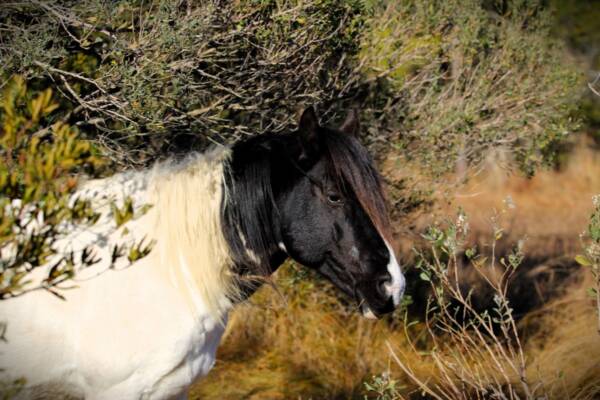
point(38, 178)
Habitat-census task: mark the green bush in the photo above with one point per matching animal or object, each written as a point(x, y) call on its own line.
point(463, 77)
point(440, 80)
point(158, 76)
point(37, 175)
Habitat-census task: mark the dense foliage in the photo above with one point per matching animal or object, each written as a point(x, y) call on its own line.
point(440, 81)
point(466, 76)
point(154, 77)
point(37, 174)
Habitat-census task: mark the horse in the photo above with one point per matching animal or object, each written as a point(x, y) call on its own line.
point(221, 223)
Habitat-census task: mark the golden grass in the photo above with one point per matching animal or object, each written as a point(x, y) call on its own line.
point(550, 210)
point(309, 346)
point(565, 355)
point(307, 349)
point(302, 342)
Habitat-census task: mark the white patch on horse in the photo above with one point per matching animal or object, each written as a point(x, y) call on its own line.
point(148, 330)
point(249, 252)
point(282, 247)
point(354, 253)
point(396, 287)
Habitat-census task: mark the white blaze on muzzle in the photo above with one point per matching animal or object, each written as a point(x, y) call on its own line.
point(395, 288)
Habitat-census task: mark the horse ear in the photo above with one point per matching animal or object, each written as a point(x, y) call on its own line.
point(308, 129)
point(351, 125)
point(308, 125)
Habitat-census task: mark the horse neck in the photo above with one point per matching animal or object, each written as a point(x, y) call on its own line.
point(216, 223)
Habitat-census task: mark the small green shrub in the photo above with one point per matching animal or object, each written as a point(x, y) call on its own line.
point(475, 353)
point(382, 387)
point(591, 256)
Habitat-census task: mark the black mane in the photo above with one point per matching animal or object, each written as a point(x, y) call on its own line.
point(249, 204)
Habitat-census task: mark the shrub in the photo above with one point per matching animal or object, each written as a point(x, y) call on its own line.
point(591, 256)
point(463, 77)
point(477, 353)
point(440, 80)
point(160, 76)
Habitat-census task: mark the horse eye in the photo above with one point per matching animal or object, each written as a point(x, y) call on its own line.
point(334, 198)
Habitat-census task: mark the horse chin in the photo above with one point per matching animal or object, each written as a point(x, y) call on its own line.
point(367, 312)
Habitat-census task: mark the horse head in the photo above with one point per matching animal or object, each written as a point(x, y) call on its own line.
point(313, 195)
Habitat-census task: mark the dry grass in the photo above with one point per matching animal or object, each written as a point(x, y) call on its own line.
point(550, 210)
point(482, 345)
point(566, 353)
point(310, 346)
point(303, 342)
point(561, 361)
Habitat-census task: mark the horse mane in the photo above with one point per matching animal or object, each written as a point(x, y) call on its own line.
point(217, 209)
point(249, 207)
point(186, 202)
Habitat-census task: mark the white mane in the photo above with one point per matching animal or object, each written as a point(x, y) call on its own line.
point(186, 218)
point(183, 222)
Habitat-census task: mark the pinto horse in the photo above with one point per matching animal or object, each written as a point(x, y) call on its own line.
point(220, 222)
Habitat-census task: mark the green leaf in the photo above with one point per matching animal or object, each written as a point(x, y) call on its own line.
point(471, 252)
point(583, 260)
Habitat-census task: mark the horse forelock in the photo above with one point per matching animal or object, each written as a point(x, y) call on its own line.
point(354, 170)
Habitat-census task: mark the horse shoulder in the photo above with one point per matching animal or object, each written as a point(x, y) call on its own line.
point(120, 335)
point(146, 337)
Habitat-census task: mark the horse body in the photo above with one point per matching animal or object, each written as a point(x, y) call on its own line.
point(128, 335)
point(141, 332)
point(220, 223)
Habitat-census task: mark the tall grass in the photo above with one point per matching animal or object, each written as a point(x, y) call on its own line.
point(480, 353)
